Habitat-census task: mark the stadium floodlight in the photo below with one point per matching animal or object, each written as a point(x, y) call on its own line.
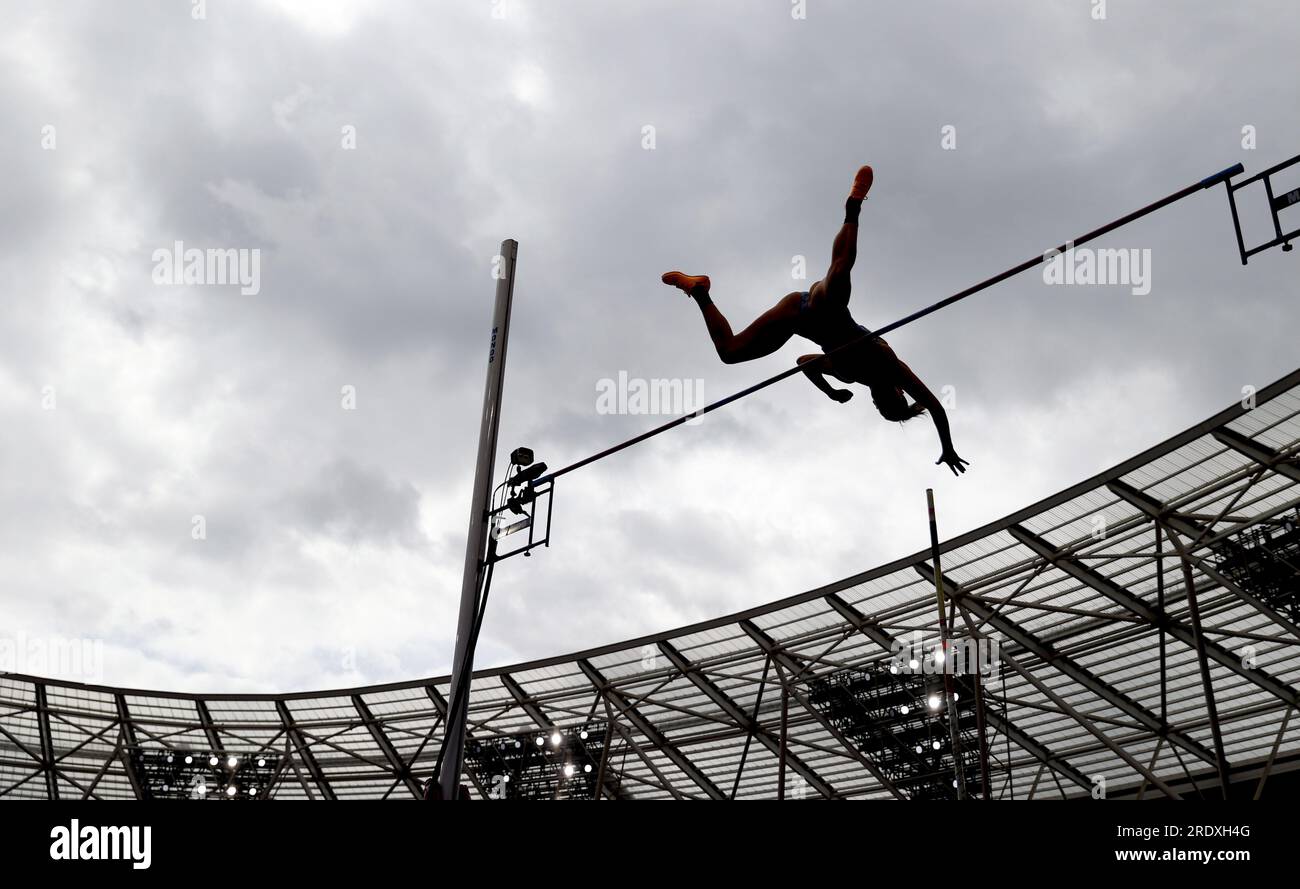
point(232, 790)
point(232, 762)
point(556, 738)
point(933, 702)
point(213, 760)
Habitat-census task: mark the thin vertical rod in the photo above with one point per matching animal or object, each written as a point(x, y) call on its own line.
point(1212, 710)
point(476, 542)
point(785, 728)
point(950, 702)
point(980, 721)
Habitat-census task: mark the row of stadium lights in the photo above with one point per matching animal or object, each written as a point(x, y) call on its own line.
point(232, 763)
point(934, 702)
point(556, 740)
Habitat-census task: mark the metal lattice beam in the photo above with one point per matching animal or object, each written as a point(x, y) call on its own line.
point(1259, 452)
point(1152, 615)
point(1026, 741)
point(128, 735)
point(1048, 654)
point(647, 728)
point(47, 742)
point(400, 769)
point(304, 750)
point(1171, 519)
point(741, 719)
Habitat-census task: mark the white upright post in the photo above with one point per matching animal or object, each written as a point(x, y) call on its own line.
point(476, 544)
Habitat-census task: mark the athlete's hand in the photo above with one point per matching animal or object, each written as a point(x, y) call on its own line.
point(950, 459)
point(841, 395)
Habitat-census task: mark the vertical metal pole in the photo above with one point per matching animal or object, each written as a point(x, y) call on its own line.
point(951, 702)
point(476, 544)
point(785, 729)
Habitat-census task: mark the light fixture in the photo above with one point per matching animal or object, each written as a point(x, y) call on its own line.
point(935, 745)
point(587, 768)
point(189, 759)
point(556, 739)
point(232, 790)
point(213, 761)
point(504, 529)
point(583, 734)
point(521, 456)
point(913, 664)
point(524, 476)
point(905, 709)
point(261, 763)
point(541, 742)
point(920, 749)
point(933, 702)
point(232, 762)
point(568, 771)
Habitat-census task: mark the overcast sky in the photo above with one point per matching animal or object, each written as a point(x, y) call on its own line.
point(376, 154)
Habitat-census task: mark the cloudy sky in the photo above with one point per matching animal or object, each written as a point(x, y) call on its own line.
point(376, 154)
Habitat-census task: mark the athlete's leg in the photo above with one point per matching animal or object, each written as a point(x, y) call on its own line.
point(769, 332)
point(836, 286)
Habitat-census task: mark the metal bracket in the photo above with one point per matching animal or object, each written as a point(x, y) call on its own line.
point(517, 514)
point(1276, 203)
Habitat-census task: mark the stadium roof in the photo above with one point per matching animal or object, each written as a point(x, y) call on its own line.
point(1095, 678)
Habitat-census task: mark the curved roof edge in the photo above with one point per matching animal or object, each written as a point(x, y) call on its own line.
point(1227, 415)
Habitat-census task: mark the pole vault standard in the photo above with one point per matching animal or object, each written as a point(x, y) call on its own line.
point(1207, 182)
point(476, 561)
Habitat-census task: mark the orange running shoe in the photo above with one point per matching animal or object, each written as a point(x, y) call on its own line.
point(862, 184)
point(686, 283)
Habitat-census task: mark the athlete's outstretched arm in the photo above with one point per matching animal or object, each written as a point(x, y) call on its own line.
point(815, 368)
point(912, 385)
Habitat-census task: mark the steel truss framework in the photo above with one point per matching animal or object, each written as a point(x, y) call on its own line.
point(1126, 656)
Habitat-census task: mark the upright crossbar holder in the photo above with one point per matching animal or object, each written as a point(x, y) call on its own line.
point(1276, 203)
point(480, 542)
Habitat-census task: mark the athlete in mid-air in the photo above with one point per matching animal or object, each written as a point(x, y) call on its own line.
point(821, 314)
